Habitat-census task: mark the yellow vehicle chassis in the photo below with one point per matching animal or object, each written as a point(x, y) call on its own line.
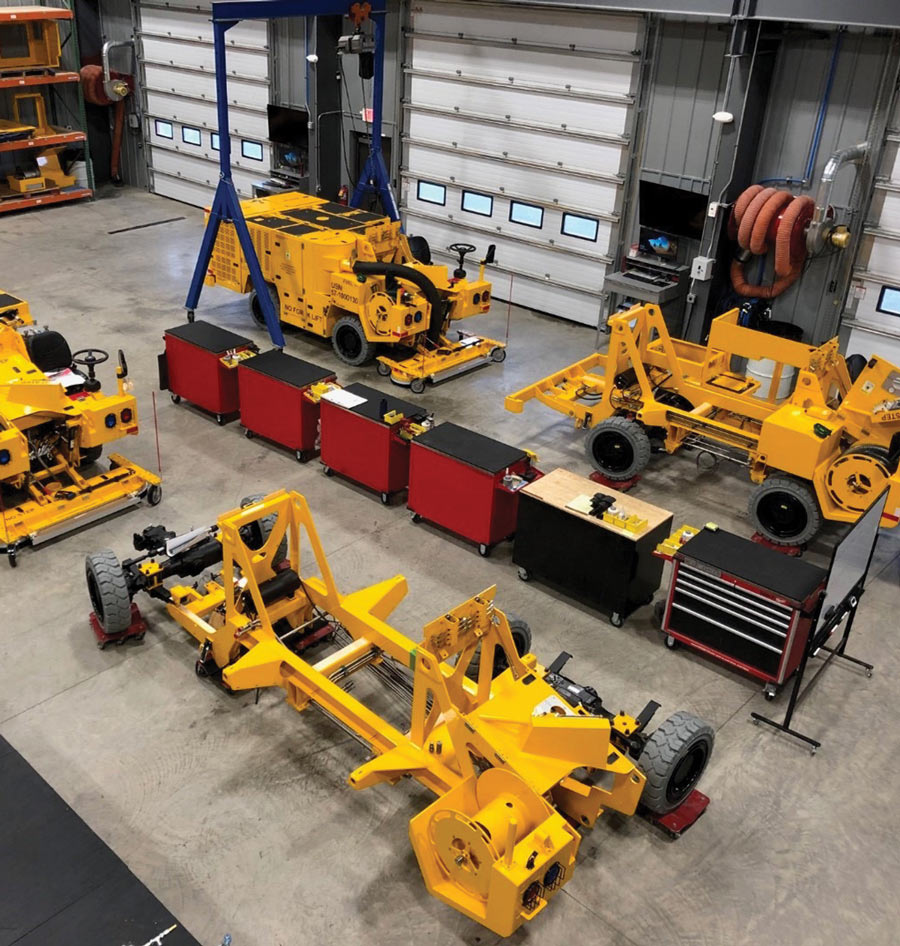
point(515, 767)
point(840, 436)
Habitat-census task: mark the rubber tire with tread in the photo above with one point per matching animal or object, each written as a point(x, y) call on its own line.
point(634, 436)
point(521, 634)
point(802, 494)
point(664, 750)
point(417, 385)
point(383, 369)
point(90, 455)
point(108, 590)
point(350, 323)
point(256, 310)
point(266, 525)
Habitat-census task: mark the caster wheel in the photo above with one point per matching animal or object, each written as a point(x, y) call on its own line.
point(154, 495)
point(386, 499)
point(484, 550)
point(327, 471)
point(176, 398)
point(498, 355)
point(670, 642)
point(101, 645)
point(417, 385)
point(140, 637)
point(523, 573)
point(769, 692)
point(813, 751)
point(220, 419)
point(190, 315)
point(201, 669)
point(869, 674)
point(301, 455)
point(383, 370)
point(416, 517)
point(616, 619)
point(248, 433)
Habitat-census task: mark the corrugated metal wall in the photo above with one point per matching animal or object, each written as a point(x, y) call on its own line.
point(687, 77)
point(801, 71)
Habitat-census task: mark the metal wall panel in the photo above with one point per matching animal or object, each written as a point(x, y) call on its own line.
point(801, 70)
point(688, 74)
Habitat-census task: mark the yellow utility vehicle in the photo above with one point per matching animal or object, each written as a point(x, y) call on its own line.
point(825, 448)
point(352, 276)
point(54, 422)
point(520, 757)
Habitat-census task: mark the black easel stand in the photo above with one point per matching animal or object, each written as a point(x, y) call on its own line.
point(815, 643)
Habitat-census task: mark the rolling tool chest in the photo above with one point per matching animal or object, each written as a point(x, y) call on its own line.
point(744, 604)
point(365, 436)
point(199, 365)
point(467, 483)
point(276, 403)
point(606, 561)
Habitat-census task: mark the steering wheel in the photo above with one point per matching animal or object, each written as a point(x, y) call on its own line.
point(462, 250)
point(89, 358)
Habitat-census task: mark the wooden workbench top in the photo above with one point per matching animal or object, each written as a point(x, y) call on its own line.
point(559, 487)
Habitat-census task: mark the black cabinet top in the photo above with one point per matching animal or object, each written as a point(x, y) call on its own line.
point(479, 451)
point(377, 404)
point(756, 564)
point(283, 367)
point(208, 336)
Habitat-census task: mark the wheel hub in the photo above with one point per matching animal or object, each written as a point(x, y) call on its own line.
point(855, 478)
point(613, 452)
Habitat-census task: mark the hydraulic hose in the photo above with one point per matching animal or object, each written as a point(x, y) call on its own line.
point(429, 290)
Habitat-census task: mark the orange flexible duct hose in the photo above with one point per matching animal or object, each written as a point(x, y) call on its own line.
point(754, 211)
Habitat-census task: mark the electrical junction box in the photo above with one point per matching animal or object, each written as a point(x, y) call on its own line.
point(702, 268)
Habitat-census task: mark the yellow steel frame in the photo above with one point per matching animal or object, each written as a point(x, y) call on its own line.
point(59, 498)
point(513, 765)
point(317, 286)
point(805, 435)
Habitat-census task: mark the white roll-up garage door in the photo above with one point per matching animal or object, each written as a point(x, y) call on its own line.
point(180, 89)
point(516, 128)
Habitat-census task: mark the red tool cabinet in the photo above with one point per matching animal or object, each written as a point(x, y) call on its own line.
point(456, 481)
point(274, 403)
point(743, 604)
point(358, 443)
point(192, 367)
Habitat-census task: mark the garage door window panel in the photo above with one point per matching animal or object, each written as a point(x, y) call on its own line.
point(526, 215)
point(432, 193)
point(583, 228)
point(164, 129)
point(475, 203)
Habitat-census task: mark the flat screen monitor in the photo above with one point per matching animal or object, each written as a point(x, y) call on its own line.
point(288, 126)
point(672, 210)
point(657, 243)
point(850, 560)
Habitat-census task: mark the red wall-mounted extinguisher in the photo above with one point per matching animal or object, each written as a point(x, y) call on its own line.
point(343, 194)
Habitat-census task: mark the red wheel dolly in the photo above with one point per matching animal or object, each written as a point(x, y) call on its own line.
point(136, 630)
point(467, 483)
point(199, 365)
point(278, 400)
point(365, 436)
point(674, 823)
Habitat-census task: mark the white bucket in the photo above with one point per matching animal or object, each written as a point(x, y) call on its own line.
point(762, 370)
point(79, 172)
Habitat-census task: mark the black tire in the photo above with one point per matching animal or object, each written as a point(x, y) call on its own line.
point(855, 365)
point(673, 759)
point(108, 591)
point(619, 448)
point(256, 309)
point(350, 343)
point(383, 369)
point(420, 249)
point(785, 510)
point(90, 455)
point(521, 635)
point(498, 355)
point(417, 385)
point(257, 533)
point(154, 494)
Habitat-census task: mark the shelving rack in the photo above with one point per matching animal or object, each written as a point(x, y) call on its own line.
point(55, 80)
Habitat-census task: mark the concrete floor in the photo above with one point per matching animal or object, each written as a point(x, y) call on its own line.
point(238, 815)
